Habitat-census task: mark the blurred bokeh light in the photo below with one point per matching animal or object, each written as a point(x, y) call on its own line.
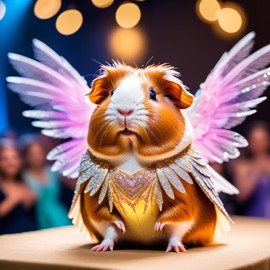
point(102, 3)
point(231, 18)
point(45, 9)
point(128, 15)
point(69, 22)
point(2, 10)
point(127, 44)
point(227, 18)
point(208, 10)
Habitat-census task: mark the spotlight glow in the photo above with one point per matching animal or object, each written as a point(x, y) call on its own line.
point(69, 22)
point(127, 44)
point(208, 10)
point(45, 9)
point(128, 15)
point(2, 10)
point(102, 3)
point(230, 20)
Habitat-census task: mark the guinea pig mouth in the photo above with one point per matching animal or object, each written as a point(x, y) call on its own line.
point(127, 132)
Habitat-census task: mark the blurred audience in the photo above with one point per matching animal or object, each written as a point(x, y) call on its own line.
point(50, 211)
point(16, 199)
point(251, 173)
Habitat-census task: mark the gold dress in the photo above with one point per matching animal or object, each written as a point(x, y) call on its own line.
point(139, 197)
point(135, 199)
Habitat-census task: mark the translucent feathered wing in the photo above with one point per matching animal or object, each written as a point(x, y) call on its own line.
point(58, 94)
point(225, 99)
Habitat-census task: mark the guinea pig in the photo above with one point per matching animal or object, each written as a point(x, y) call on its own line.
point(136, 183)
point(139, 113)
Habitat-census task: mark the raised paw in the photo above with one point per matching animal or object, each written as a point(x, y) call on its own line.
point(120, 225)
point(159, 226)
point(176, 246)
point(105, 245)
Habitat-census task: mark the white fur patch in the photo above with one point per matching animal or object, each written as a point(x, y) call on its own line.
point(128, 92)
point(111, 234)
point(128, 96)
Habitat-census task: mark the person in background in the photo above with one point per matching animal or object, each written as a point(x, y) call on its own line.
point(16, 199)
point(46, 184)
point(252, 173)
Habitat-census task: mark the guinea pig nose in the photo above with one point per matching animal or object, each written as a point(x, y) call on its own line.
point(125, 112)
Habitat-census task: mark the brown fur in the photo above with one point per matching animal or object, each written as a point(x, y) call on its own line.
point(92, 210)
point(192, 205)
point(165, 126)
point(174, 91)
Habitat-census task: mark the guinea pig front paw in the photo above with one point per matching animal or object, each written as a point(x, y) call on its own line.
point(120, 225)
point(159, 226)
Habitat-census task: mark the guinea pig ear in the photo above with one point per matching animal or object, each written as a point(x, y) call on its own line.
point(104, 84)
point(99, 89)
point(177, 92)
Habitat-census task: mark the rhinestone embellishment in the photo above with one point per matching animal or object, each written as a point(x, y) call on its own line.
point(148, 183)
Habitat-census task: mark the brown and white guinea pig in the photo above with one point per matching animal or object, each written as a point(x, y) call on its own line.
point(139, 112)
point(138, 122)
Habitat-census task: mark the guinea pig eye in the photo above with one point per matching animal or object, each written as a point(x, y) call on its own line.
point(152, 94)
point(112, 92)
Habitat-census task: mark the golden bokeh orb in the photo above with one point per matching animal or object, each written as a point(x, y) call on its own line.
point(208, 10)
point(102, 3)
point(128, 15)
point(230, 20)
point(69, 22)
point(127, 44)
point(45, 9)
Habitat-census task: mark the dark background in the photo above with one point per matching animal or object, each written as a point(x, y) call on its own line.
point(174, 33)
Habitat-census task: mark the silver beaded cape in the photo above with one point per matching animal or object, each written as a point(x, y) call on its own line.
point(169, 174)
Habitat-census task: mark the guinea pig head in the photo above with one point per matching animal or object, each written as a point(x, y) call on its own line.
point(139, 111)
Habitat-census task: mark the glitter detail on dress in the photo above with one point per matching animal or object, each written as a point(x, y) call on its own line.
point(131, 189)
point(147, 184)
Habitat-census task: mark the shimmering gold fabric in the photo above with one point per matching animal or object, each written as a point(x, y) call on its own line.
point(139, 217)
point(148, 183)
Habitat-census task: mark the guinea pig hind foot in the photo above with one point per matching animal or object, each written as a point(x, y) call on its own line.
point(174, 244)
point(175, 233)
point(109, 240)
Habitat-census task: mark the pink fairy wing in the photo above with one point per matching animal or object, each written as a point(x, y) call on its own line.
point(58, 94)
point(227, 97)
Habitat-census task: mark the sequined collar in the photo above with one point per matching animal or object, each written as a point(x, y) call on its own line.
point(165, 175)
